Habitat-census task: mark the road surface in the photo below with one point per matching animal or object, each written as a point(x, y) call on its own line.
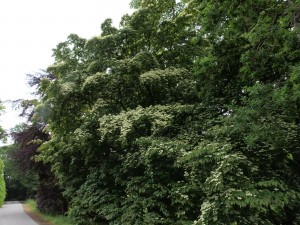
point(12, 213)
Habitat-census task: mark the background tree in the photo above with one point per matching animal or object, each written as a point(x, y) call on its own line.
point(2, 131)
point(20, 184)
point(28, 140)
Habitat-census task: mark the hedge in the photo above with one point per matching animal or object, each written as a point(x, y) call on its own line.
point(2, 184)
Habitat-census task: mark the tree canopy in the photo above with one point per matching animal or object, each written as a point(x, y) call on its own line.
point(188, 113)
point(20, 183)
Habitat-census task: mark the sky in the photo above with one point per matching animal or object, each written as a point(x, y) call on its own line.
point(30, 29)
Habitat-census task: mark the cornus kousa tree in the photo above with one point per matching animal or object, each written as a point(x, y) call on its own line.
point(185, 114)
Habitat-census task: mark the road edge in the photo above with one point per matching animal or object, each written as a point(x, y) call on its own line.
point(35, 216)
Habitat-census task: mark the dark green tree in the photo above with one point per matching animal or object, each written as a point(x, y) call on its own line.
point(243, 42)
point(27, 140)
point(247, 70)
point(20, 184)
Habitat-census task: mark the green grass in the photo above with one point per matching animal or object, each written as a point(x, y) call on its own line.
point(54, 219)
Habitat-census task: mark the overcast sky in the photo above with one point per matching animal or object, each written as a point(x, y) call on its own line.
point(30, 29)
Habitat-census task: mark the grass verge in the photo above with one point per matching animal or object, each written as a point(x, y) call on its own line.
point(48, 219)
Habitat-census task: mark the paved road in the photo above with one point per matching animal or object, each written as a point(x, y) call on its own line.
point(12, 213)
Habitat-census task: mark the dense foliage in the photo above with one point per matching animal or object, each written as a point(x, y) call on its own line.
point(48, 195)
point(186, 114)
point(2, 184)
point(20, 184)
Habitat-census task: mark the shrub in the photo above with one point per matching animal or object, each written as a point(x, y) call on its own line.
point(2, 184)
point(49, 198)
